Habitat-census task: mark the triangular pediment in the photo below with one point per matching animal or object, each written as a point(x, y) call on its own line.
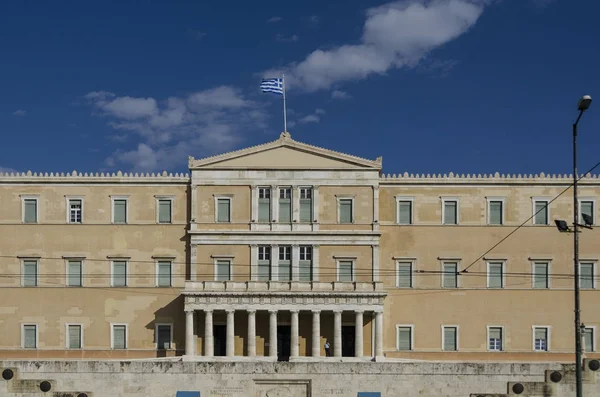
point(285, 153)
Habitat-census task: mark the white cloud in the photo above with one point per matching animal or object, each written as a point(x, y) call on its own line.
point(20, 112)
point(166, 131)
point(319, 111)
point(395, 35)
point(274, 19)
point(311, 118)
point(314, 19)
point(6, 170)
point(285, 39)
point(338, 94)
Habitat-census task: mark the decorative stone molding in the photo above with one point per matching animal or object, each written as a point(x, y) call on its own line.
point(76, 176)
point(496, 177)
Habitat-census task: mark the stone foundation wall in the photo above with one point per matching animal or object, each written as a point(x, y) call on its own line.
point(263, 379)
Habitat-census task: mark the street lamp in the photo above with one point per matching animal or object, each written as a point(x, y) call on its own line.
point(582, 106)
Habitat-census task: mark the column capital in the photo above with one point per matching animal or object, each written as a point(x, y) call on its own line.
point(251, 311)
point(207, 311)
point(253, 245)
point(361, 311)
point(316, 311)
point(273, 311)
point(294, 311)
point(230, 311)
point(338, 311)
point(315, 187)
point(189, 311)
point(295, 246)
point(378, 311)
point(375, 246)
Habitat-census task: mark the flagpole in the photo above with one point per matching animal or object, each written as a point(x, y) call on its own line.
point(284, 110)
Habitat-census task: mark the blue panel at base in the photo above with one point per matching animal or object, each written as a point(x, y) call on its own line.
point(188, 394)
point(368, 394)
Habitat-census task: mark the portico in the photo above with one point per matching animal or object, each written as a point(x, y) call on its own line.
point(292, 300)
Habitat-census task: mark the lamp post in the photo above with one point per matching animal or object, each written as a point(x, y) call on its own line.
point(583, 105)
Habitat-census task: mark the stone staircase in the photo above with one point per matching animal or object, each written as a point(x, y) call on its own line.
point(12, 386)
point(557, 383)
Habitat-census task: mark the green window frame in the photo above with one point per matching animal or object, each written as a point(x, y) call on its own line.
point(74, 336)
point(165, 210)
point(346, 210)
point(30, 209)
point(119, 273)
point(495, 277)
point(264, 204)
point(450, 335)
point(120, 210)
point(74, 273)
point(30, 272)
point(404, 338)
point(164, 273)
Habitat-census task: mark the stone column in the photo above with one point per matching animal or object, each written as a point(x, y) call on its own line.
point(337, 333)
point(295, 262)
point(294, 338)
point(209, 341)
point(315, 263)
point(375, 262)
point(230, 348)
point(379, 334)
point(316, 333)
point(254, 204)
point(358, 334)
point(375, 208)
point(273, 333)
point(254, 262)
point(251, 333)
point(274, 204)
point(190, 349)
point(274, 262)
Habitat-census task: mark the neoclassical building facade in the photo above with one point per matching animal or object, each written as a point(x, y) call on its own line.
point(287, 251)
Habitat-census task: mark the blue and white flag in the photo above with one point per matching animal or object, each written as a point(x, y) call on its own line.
point(272, 85)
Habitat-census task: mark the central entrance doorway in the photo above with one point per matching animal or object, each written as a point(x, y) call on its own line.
point(220, 340)
point(284, 336)
point(348, 338)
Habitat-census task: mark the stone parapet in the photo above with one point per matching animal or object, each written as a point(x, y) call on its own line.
point(94, 177)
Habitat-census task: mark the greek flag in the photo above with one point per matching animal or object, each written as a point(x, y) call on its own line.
point(272, 85)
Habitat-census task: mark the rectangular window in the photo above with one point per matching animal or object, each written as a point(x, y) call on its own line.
point(264, 263)
point(120, 211)
point(449, 275)
point(495, 212)
point(264, 204)
point(285, 263)
point(223, 270)
point(540, 212)
point(586, 275)
point(163, 336)
point(306, 204)
point(30, 208)
point(495, 275)
point(74, 276)
point(450, 339)
point(164, 274)
point(345, 271)
point(305, 265)
point(450, 212)
point(405, 212)
point(404, 275)
point(495, 339)
point(285, 204)
point(30, 336)
point(119, 274)
point(224, 210)
point(346, 210)
point(540, 275)
point(73, 336)
point(75, 211)
point(540, 339)
point(119, 336)
point(164, 210)
point(30, 273)
point(404, 335)
point(586, 207)
point(588, 339)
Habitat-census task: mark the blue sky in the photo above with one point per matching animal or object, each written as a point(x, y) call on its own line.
point(464, 86)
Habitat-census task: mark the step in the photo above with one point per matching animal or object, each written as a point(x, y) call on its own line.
point(568, 376)
point(530, 389)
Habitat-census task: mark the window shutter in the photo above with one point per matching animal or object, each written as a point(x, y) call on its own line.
point(74, 337)
point(449, 275)
point(29, 337)
point(119, 274)
point(495, 275)
point(541, 217)
point(540, 275)
point(404, 212)
point(305, 270)
point(587, 207)
point(264, 270)
point(164, 337)
point(450, 213)
point(495, 333)
point(264, 210)
point(223, 210)
point(223, 270)
point(588, 338)
point(586, 275)
point(345, 211)
point(405, 275)
point(345, 271)
point(404, 342)
point(164, 274)
point(284, 270)
point(30, 273)
point(450, 338)
point(540, 333)
point(30, 215)
point(120, 211)
point(495, 212)
point(285, 210)
point(164, 211)
point(306, 210)
point(119, 337)
point(74, 274)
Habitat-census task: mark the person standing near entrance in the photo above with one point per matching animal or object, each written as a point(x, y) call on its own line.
point(327, 349)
